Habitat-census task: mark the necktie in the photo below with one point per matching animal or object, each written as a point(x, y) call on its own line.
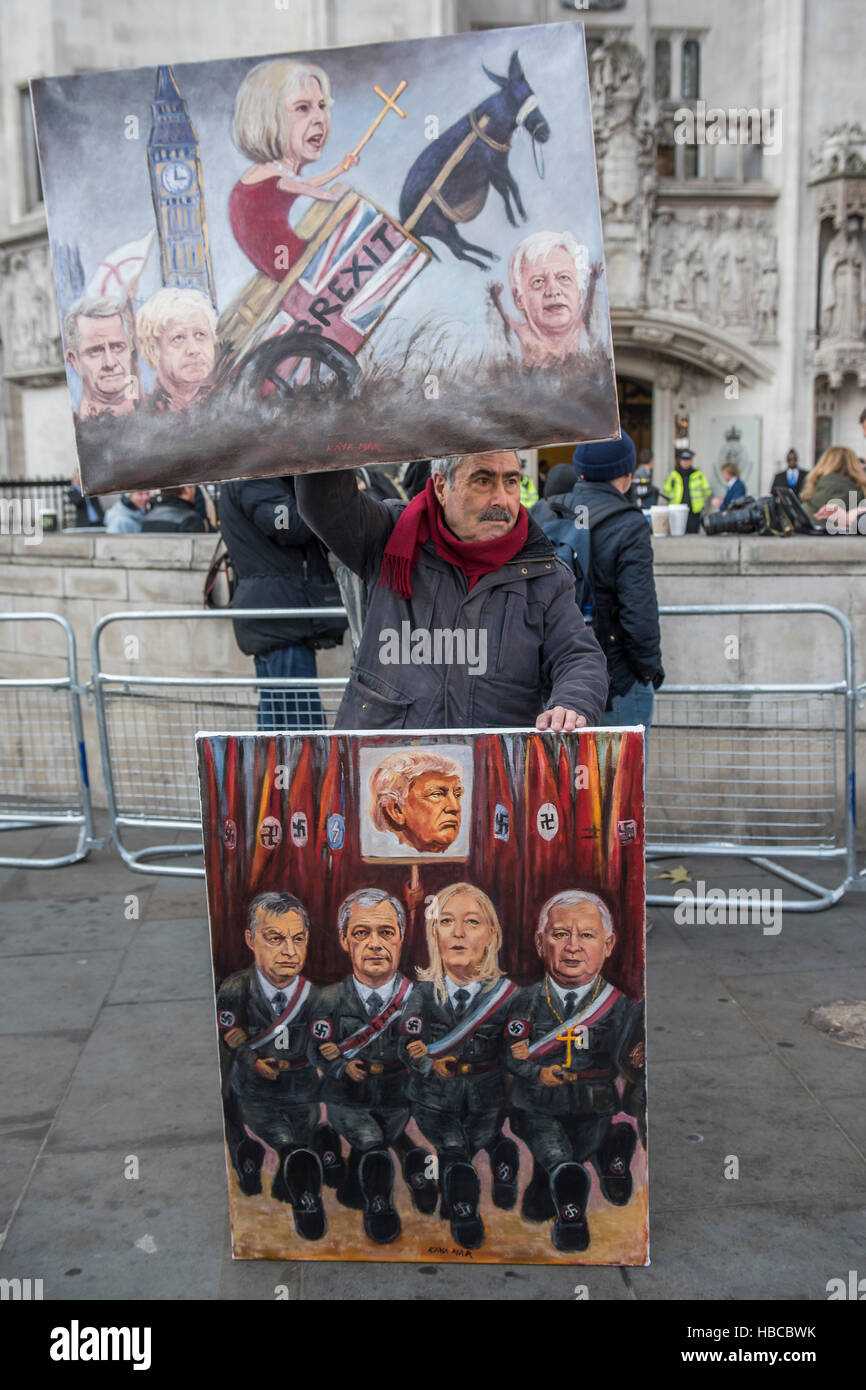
point(569, 1003)
point(279, 1002)
point(374, 1004)
point(462, 997)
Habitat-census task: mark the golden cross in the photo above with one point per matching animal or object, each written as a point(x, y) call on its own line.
point(390, 105)
point(571, 1035)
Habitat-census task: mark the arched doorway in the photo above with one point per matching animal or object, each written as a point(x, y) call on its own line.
point(635, 399)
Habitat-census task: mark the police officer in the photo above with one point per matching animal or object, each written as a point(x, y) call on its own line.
point(578, 1034)
point(365, 1078)
point(455, 1041)
point(271, 1083)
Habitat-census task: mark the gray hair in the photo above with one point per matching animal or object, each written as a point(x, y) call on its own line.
point(540, 244)
point(569, 898)
point(93, 306)
point(368, 897)
point(447, 466)
point(277, 904)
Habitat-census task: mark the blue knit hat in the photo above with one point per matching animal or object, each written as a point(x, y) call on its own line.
point(611, 458)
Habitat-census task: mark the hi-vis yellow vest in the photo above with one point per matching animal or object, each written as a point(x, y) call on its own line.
point(700, 491)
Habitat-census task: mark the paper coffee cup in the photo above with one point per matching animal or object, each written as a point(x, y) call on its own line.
point(678, 518)
point(660, 520)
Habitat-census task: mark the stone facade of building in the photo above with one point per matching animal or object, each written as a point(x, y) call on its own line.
point(731, 148)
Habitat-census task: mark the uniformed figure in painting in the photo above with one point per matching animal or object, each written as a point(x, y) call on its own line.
point(365, 1079)
point(454, 1039)
point(415, 794)
point(579, 1034)
point(271, 1084)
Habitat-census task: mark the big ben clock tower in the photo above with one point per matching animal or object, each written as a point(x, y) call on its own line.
point(175, 176)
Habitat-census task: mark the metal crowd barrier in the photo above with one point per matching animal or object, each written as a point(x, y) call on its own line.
point(43, 761)
point(147, 728)
point(789, 779)
point(763, 772)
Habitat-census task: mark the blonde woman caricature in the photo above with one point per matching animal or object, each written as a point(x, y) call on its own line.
point(282, 121)
point(455, 1033)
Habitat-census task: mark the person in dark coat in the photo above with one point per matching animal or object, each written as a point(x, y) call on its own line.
point(174, 511)
point(471, 618)
point(279, 563)
point(735, 488)
point(792, 475)
point(415, 477)
point(625, 617)
point(88, 510)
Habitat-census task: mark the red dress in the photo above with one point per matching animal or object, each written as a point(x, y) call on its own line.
point(259, 216)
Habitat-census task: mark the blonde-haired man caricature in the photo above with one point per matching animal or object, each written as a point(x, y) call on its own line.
point(176, 332)
point(416, 795)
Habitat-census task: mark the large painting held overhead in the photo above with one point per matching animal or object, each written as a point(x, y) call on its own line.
point(356, 255)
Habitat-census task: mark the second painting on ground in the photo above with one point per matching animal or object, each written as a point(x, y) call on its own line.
point(429, 977)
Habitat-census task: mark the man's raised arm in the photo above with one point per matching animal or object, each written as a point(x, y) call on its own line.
point(352, 523)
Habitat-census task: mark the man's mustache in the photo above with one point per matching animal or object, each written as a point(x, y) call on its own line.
point(495, 514)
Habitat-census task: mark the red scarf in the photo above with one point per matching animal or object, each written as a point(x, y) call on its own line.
point(423, 519)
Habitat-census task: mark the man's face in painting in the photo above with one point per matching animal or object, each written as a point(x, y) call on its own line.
point(185, 353)
point(103, 359)
point(372, 941)
point(429, 819)
point(549, 293)
point(573, 944)
point(279, 945)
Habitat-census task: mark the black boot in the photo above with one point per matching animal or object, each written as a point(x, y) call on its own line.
point(569, 1188)
point(326, 1143)
point(612, 1162)
point(537, 1204)
point(349, 1192)
point(279, 1190)
point(504, 1167)
point(248, 1165)
point(376, 1176)
point(303, 1179)
point(423, 1189)
point(462, 1193)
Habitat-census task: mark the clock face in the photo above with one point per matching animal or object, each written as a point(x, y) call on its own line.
point(177, 177)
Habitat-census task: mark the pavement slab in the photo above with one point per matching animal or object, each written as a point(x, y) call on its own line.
point(107, 1054)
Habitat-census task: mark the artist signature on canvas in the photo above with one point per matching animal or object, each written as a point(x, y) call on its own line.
point(449, 1250)
point(370, 447)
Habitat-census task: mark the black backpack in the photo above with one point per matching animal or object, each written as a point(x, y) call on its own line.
point(570, 531)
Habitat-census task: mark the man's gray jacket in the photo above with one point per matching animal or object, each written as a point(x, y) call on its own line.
point(529, 644)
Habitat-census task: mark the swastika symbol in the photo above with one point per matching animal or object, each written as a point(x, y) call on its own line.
point(547, 821)
point(270, 835)
point(502, 823)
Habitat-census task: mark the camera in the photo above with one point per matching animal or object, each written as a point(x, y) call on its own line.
point(779, 514)
point(748, 516)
